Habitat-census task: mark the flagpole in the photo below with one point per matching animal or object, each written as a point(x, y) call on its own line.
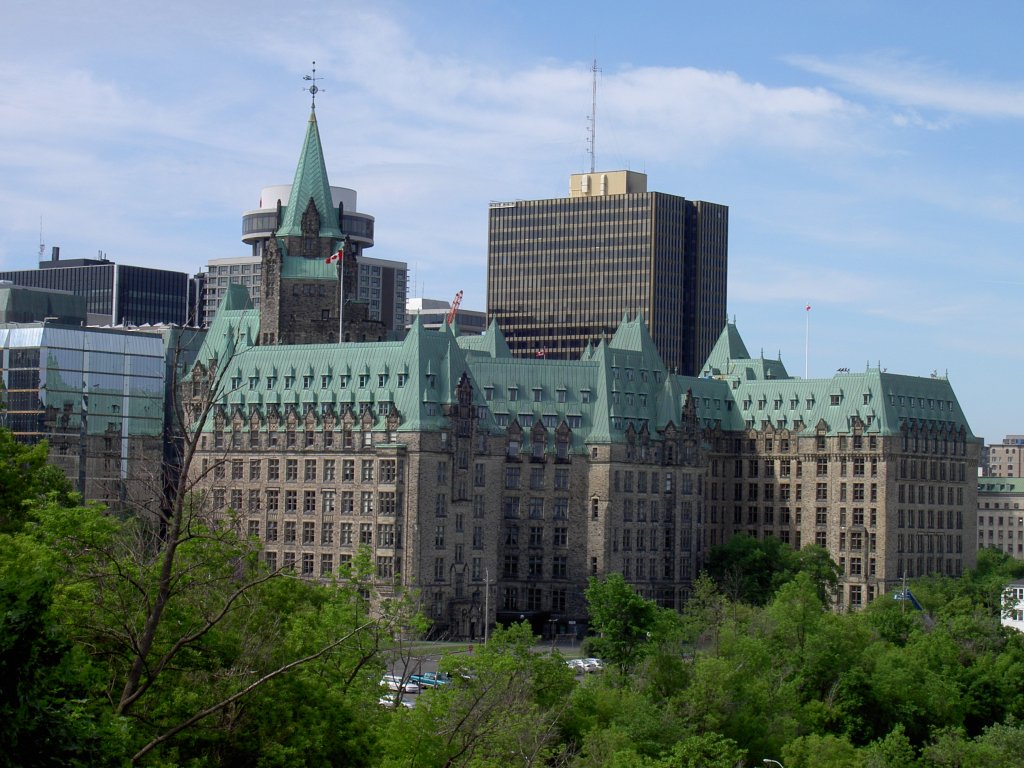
point(807, 340)
point(341, 297)
point(340, 258)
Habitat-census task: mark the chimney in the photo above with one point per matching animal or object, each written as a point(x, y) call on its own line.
point(55, 253)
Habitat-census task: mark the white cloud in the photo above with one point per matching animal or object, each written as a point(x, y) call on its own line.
point(916, 83)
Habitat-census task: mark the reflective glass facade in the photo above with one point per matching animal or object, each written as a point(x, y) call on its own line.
point(96, 395)
point(561, 273)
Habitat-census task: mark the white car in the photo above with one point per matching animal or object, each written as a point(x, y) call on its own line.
point(396, 683)
point(592, 665)
point(390, 701)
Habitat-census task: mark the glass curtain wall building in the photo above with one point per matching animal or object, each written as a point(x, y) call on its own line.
point(97, 396)
point(562, 273)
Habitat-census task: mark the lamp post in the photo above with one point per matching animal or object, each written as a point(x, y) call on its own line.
point(769, 761)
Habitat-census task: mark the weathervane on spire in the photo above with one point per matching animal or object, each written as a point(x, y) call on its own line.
point(313, 89)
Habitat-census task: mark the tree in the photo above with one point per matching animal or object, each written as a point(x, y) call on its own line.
point(750, 569)
point(26, 478)
point(48, 710)
point(191, 630)
point(621, 620)
point(503, 707)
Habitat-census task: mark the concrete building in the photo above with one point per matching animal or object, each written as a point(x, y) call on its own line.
point(116, 294)
point(562, 273)
point(1001, 514)
point(1005, 459)
point(220, 273)
point(433, 313)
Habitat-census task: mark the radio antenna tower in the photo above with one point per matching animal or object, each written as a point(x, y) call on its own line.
point(592, 141)
point(42, 245)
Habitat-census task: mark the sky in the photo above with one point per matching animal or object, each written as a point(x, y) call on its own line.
point(870, 152)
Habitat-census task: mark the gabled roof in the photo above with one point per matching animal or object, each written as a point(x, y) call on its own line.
point(633, 335)
point(491, 343)
point(728, 349)
point(310, 183)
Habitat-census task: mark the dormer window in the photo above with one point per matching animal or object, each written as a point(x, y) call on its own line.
point(513, 394)
point(488, 393)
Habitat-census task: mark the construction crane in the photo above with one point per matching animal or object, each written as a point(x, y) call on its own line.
point(455, 308)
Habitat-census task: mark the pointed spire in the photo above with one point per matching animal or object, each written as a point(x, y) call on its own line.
point(311, 183)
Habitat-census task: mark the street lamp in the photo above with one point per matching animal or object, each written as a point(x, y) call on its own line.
point(769, 761)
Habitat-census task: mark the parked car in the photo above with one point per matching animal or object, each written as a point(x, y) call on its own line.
point(592, 665)
point(430, 679)
point(396, 683)
point(576, 665)
point(391, 700)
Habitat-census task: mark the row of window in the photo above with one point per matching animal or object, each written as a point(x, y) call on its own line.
point(305, 563)
point(384, 470)
point(348, 534)
point(383, 503)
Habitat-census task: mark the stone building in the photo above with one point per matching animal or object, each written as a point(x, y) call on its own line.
point(497, 485)
point(878, 468)
point(1001, 514)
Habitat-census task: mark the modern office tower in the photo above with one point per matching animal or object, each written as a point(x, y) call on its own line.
point(115, 294)
point(1001, 514)
point(383, 284)
point(562, 273)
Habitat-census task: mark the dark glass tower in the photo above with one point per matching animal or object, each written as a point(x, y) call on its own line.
point(116, 293)
point(562, 273)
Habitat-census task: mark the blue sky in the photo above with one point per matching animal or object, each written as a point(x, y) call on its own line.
point(870, 152)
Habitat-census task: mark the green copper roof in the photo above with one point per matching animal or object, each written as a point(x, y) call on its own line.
point(728, 348)
point(491, 343)
point(1003, 485)
point(310, 183)
point(616, 387)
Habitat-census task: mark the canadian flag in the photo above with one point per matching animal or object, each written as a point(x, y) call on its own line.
point(341, 254)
